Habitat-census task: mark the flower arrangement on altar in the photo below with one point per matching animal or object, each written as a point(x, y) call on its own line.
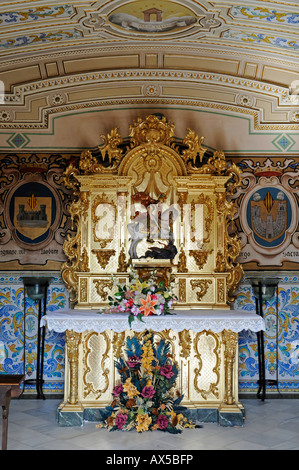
point(142, 298)
point(145, 399)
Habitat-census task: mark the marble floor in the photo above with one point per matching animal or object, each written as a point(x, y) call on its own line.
point(272, 424)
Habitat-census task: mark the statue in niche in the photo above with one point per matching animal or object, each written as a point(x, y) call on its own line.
point(168, 252)
point(152, 221)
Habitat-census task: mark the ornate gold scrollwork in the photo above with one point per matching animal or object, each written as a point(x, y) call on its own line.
point(118, 344)
point(151, 130)
point(88, 163)
point(221, 202)
point(72, 245)
point(182, 290)
point(122, 263)
point(69, 179)
point(73, 340)
point(235, 269)
point(84, 261)
point(220, 290)
point(220, 263)
point(83, 289)
point(216, 165)
point(227, 261)
point(103, 256)
point(185, 341)
point(200, 257)
point(182, 263)
point(70, 268)
point(230, 340)
point(202, 285)
point(193, 142)
point(111, 148)
point(102, 284)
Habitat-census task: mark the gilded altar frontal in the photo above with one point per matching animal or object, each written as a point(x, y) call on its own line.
point(151, 202)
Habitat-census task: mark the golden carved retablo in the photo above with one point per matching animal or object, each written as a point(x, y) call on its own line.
point(156, 198)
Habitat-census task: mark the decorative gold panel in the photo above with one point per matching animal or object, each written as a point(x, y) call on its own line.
point(208, 374)
point(159, 202)
point(97, 351)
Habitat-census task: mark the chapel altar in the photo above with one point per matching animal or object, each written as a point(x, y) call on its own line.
point(153, 204)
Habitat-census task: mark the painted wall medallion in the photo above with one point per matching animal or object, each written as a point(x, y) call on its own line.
point(34, 217)
point(268, 213)
point(32, 214)
point(269, 216)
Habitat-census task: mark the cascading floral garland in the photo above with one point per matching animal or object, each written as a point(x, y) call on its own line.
point(142, 298)
point(145, 398)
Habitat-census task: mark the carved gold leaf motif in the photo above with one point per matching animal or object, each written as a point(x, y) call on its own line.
point(200, 257)
point(103, 256)
point(202, 285)
point(101, 285)
point(193, 142)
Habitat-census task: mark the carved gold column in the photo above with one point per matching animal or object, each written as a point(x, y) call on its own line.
point(73, 340)
point(230, 340)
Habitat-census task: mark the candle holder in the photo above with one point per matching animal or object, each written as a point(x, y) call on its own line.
point(37, 290)
point(264, 290)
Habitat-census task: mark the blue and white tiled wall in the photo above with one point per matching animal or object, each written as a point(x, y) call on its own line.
point(12, 332)
point(281, 335)
point(12, 339)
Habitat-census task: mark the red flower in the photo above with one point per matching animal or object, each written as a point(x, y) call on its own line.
point(167, 371)
point(162, 422)
point(148, 392)
point(133, 361)
point(120, 420)
point(118, 389)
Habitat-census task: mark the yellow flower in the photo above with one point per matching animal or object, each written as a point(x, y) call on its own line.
point(130, 388)
point(138, 285)
point(147, 357)
point(143, 422)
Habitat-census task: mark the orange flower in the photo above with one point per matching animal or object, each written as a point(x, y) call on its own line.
point(148, 305)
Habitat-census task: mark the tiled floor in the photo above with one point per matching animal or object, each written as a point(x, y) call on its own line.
point(272, 424)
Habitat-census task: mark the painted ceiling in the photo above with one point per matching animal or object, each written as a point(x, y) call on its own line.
point(73, 71)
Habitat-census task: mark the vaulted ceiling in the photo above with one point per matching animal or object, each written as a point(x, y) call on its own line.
point(73, 71)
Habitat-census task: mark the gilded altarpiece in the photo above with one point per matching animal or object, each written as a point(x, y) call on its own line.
point(153, 203)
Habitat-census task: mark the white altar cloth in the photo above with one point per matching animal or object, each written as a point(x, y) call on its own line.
point(195, 320)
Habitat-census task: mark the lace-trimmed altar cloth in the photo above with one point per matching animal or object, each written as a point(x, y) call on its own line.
point(194, 320)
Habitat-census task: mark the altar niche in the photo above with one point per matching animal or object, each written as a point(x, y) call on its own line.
point(153, 203)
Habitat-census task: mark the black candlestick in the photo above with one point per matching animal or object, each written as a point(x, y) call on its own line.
point(263, 290)
point(37, 289)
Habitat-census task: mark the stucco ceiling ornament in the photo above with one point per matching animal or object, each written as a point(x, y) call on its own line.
point(166, 19)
